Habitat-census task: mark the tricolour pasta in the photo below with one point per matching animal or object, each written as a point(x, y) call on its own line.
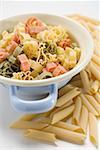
point(18, 50)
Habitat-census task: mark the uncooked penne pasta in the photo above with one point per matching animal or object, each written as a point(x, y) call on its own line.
point(96, 34)
point(84, 119)
point(62, 114)
point(82, 22)
point(75, 17)
point(77, 111)
point(88, 105)
point(40, 135)
point(20, 124)
point(45, 120)
point(77, 83)
point(68, 126)
point(66, 105)
point(67, 97)
point(63, 125)
point(66, 135)
point(85, 80)
point(95, 104)
point(77, 77)
point(94, 86)
point(93, 128)
point(78, 102)
point(65, 89)
point(96, 59)
point(87, 19)
point(97, 97)
point(97, 47)
point(28, 117)
point(96, 65)
point(68, 119)
point(60, 108)
point(91, 26)
point(95, 71)
point(88, 71)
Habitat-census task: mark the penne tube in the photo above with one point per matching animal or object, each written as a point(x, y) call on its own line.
point(68, 126)
point(67, 97)
point(65, 89)
point(77, 77)
point(96, 34)
point(62, 114)
point(88, 105)
point(20, 124)
point(96, 65)
point(57, 109)
point(95, 70)
point(77, 83)
point(28, 117)
point(93, 129)
point(63, 125)
point(87, 69)
point(97, 47)
point(94, 86)
point(97, 97)
point(95, 104)
point(40, 135)
point(91, 26)
point(83, 122)
point(73, 17)
point(85, 80)
point(66, 135)
point(96, 59)
point(66, 105)
point(82, 22)
point(45, 120)
point(87, 19)
point(77, 111)
point(68, 119)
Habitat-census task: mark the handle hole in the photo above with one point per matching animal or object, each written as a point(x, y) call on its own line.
point(31, 97)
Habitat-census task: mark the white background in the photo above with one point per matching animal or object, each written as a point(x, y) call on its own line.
point(90, 8)
point(12, 140)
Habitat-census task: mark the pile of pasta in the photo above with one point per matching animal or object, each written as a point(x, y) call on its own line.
point(78, 104)
point(34, 50)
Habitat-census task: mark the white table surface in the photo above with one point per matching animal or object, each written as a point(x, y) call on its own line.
point(11, 139)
